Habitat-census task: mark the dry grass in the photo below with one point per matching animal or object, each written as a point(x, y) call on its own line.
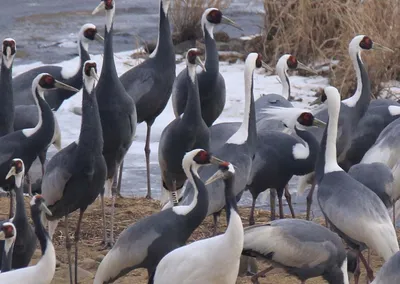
point(186, 16)
point(321, 31)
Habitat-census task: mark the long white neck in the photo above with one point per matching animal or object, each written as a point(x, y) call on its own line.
point(47, 263)
point(186, 209)
point(234, 232)
point(30, 131)
point(355, 52)
point(331, 164)
point(281, 68)
point(89, 83)
point(344, 271)
point(240, 137)
point(8, 244)
point(205, 24)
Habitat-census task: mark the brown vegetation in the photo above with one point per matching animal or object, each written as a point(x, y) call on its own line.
point(321, 31)
point(186, 17)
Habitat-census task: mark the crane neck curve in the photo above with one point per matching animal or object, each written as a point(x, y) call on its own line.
point(192, 113)
point(284, 78)
point(212, 57)
point(108, 69)
point(20, 212)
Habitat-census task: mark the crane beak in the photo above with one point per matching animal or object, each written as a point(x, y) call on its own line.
point(318, 123)
point(99, 38)
point(267, 67)
point(100, 7)
point(377, 46)
point(229, 22)
point(218, 175)
point(306, 68)
point(44, 208)
point(216, 161)
point(316, 102)
point(201, 63)
point(61, 85)
point(11, 173)
point(94, 74)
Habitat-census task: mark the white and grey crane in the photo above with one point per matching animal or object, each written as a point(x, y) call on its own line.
point(117, 112)
point(351, 109)
point(27, 144)
point(302, 248)
point(145, 243)
point(76, 175)
point(8, 233)
point(279, 156)
point(351, 209)
point(150, 83)
point(211, 83)
point(43, 271)
point(213, 260)
point(238, 150)
point(25, 243)
point(221, 132)
point(8, 52)
point(184, 133)
point(368, 129)
point(389, 272)
point(22, 82)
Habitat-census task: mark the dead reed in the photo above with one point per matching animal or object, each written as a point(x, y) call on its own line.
point(320, 31)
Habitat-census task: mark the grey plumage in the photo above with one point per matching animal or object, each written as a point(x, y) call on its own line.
point(150, 83)
point(22, 82)
point(390, 271)
point(377, 177)
point(302, 248)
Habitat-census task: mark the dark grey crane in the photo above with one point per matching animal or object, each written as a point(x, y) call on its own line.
point(368, 129)
point(27, 116)
point(351, 109)
point(8, 233)
point(211, 83)
point(25, 243)
point(184, 133)
point(43, 272)
point(302, 248)
point(221, 132)
point(351, 209)
point(145, 243)
point(117, 112)
point(6, 88)
point(76, 175)
point(27, 144)
point(150, 83)
point(279, 156)
point(239, 150)
point(389, 273)
point(212, 260)
point(22, 82)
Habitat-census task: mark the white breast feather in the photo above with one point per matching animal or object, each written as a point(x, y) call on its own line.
point(300, 151)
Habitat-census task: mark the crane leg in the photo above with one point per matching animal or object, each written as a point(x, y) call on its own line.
point(262, 273)
point(370, 272)
point(147, 154)
point(272, 199)
point(309, 199)
point(121, 167)
point(114, 195)
point(253, 205)
point(76, 240)
point(42, 159)
point(394, 214)
point(288, 197)
point(357, 271)
point(281, 215)
point(52, 227)
point(28, 181)
point(68, 246)
point(103, 213)
point(12, 204)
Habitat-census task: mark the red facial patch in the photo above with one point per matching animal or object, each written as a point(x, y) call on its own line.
point(292, 62)
point(48, 79)
point(366, 43)
point(259, 61)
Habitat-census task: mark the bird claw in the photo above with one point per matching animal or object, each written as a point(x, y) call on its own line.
point(148, 197)
point(106, 245)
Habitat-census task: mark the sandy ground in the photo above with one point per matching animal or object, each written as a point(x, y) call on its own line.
point(128, 211)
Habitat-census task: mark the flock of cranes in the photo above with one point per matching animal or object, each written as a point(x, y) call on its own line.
point(348, 149)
